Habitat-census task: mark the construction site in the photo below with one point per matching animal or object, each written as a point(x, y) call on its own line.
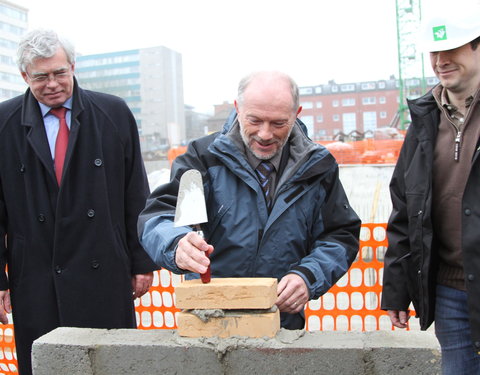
point(345, 332)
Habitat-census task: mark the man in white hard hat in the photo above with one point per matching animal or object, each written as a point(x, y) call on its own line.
point(433, 257)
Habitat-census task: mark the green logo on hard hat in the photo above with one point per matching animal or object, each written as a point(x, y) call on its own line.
point(439, 33)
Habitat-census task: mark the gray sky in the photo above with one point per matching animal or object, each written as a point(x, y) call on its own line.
point(222, 40)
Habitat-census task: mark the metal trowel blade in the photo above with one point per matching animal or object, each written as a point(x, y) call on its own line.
point(191, 209)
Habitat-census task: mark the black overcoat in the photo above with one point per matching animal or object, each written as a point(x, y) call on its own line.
point(70, 251)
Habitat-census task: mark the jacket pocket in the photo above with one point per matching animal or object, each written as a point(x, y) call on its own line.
point(16, 249)
point(120, 247)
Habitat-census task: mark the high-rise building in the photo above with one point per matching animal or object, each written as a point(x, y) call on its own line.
point(13, 25)
point(150, 80)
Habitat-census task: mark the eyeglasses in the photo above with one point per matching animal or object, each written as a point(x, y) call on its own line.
point(57, 76)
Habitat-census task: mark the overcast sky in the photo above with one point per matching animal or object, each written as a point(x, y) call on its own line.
point(222, 40)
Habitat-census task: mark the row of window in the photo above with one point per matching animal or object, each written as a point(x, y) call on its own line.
point(7, 94)
point(347, 102)
point(7, 60)
point(108, 72)
point(347, 118)
point(8, 44)
point(107, 60)
point(13, 13)
point(12, 29)
point(127, 83)
point(364, 86)
point(12, 78)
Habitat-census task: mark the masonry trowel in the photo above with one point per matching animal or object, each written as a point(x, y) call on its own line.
point(191, 209)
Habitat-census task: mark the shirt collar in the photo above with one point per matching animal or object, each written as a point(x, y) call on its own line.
point(45, 108)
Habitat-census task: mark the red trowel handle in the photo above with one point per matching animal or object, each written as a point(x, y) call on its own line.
point(206, 277)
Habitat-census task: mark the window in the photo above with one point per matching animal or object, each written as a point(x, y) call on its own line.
point(305, 90)
point(318, 90)
point(368, 86)
point(431, 81)
point(336, 118)
point(347, 88)
point(381, 85)
point(306, 105)
point(319, 105)
point(319, 118)
point(413, 82)
point(335, 103)
point(308, 121)
point(334, 88)
point(369, 121)
point(369, 100)
point(382, 100)
point(348, 102)
point(383, 114)
point(349, 122)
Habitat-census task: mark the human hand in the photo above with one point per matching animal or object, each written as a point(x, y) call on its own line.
point(141, 283)
point(292, 294)
point(192, 253)
point(5, 306)
point(399, 318)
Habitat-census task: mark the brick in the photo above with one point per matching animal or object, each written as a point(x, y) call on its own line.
point(234, 323)
point(227, 293)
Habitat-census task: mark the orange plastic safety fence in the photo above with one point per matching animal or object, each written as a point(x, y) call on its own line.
point(351, 304)
point(8, 357)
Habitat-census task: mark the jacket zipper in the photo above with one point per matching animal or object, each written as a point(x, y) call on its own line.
point(458, 140)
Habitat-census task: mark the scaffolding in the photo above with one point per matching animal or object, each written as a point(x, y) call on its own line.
point(410, 58)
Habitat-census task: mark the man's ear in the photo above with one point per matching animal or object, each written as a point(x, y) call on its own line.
point(299, 110)
point(24, 76)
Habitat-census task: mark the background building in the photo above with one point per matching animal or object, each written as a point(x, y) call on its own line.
point(335, 111)
point(13, 25)
point(150, 80)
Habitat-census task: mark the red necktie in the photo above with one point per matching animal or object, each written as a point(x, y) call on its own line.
point(61, 143)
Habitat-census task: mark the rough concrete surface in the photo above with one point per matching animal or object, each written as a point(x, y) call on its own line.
point(77, 351)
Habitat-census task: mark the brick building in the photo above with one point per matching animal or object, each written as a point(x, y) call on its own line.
point(332, 110)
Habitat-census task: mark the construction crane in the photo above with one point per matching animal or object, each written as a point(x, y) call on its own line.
point(410, 57)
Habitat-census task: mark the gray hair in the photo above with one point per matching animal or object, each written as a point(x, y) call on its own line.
point(42, 44)
point(242, 86)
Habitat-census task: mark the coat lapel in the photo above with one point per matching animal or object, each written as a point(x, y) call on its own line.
point(77, 109)
point(36, 136)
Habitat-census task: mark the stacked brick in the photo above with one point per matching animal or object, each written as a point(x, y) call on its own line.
point(228, 307)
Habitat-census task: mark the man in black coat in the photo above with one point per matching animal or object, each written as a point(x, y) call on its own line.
point(433, 258)
point(68, 218)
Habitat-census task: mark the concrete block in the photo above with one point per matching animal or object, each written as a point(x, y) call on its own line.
point(233, 323)
point(77, 351)
point(227, 293)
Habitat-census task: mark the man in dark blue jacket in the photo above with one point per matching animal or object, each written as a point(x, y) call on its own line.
point(296, 226)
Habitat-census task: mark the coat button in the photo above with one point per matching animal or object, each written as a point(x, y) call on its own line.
point(98, 162)
point(91, 213)
point(467, 211)
point(41, 218)
point(58, 270)
point(22, 168)
point(477, 344)
point(95, 264)
point(470, 277)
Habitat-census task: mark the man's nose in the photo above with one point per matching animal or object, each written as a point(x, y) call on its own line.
point(51, 81)
point(265, 131)
point(442, 58)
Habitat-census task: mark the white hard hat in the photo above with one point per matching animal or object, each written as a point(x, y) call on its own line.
point(451, 28)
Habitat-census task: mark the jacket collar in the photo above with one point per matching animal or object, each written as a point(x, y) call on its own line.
point(306, 158)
